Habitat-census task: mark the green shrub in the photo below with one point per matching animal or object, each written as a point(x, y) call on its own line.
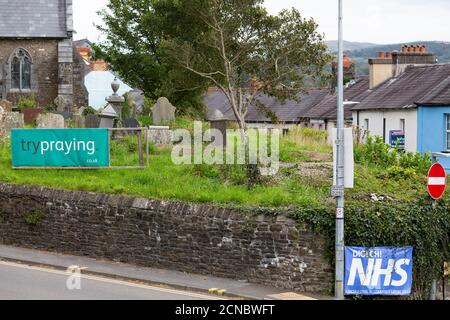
point(35, 217)
point(27, 103)
point(145, 121)
point(415, 224)
point(396, 172)
point(376, 152)
point(89, 110)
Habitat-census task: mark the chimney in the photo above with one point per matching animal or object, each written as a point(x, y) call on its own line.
point(255, 85)
point(380, 69)
point(411, 56)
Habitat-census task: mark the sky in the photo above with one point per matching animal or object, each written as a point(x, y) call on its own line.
point(374, 21)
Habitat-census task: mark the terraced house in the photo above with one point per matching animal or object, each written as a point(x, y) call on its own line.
point(37, 57)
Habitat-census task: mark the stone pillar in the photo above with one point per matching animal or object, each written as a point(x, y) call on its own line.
point(65, 75)
point(65, 64)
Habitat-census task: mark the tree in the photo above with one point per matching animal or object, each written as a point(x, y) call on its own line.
point(134, 31)
point(241, 41)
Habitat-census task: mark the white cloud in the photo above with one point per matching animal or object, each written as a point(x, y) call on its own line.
point(377, 21)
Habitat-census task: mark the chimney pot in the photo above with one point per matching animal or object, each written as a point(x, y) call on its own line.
point(404, 48)
point(389, 55)
point(381, 54)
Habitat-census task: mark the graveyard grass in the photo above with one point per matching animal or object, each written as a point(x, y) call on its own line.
point(220, 185)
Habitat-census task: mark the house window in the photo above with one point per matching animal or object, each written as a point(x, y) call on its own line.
point(447, 127)
point(21, 70)
point(366, 124)
point(402, 125)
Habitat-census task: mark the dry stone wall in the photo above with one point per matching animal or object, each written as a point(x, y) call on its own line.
point(201, 239)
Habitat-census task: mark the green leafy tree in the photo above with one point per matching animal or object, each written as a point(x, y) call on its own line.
point(134, 31)
point(240, 44)
point(241, 41)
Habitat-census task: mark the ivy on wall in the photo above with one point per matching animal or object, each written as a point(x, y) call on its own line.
point(417, 224)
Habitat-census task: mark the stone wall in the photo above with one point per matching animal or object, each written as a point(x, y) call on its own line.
point(200, 239)
point(44, 54)
point(80, 93)
point(45, 71)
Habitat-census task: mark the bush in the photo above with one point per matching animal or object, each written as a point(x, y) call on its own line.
point(35, 217)
point(376, 152)
point(415, 224)
point(89, 110)
point(145, 121)
point(27, 103)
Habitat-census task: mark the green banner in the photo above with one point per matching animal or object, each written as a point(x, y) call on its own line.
point(60, 147)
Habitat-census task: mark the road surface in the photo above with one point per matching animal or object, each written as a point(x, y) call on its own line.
point(18, 281)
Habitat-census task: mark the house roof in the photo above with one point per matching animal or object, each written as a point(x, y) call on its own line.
point(287, 111)
point(438, 96)
point(35, 19)
point(327, 108)
point(427, 84)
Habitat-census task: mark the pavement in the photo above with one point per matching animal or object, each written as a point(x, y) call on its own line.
point(28, 263)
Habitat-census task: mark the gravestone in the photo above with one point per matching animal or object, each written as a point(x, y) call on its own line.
point(136, 100)
point(6, 105)
point(160, 135)
point(10, 120)
point(219, 122)
point(65, 115)
point(162, 111)
point(62, 103)
point(50, 121)
point(92, 121)
point(108, 116)
point(78, 118)
point(130, 123)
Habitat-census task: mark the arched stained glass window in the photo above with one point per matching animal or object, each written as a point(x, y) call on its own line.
point(21, 70)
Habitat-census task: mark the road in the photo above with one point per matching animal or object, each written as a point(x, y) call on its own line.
point(18, 281)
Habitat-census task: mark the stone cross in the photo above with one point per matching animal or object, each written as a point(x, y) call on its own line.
point(162, 111)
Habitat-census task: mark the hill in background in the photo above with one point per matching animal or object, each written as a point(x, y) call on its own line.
point(348, 45)
point(360, 52)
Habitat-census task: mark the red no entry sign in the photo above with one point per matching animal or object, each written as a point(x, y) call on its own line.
point(437, 179)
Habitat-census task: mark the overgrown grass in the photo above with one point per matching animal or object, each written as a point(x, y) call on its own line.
point(164, 180)
point(225, 184)
point(305, 144)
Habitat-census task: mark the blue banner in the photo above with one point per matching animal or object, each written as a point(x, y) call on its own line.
point(397, 139)
point(378, 271)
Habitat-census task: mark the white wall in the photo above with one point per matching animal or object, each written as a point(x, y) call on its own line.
point(393, 118)
point(98, 84)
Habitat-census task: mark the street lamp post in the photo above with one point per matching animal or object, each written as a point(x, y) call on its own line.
point(340, 181)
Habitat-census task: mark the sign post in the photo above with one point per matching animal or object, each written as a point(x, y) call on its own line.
point(338, 189)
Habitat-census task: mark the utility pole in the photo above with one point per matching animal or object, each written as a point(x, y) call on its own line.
point(339, 189)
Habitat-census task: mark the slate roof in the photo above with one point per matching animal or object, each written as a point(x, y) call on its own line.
point(33, 18)
point(327, 108)
point(438, 96)
point(428, 84)
point(289, 111)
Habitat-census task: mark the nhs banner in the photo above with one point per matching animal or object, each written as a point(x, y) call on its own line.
point(378, 271)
